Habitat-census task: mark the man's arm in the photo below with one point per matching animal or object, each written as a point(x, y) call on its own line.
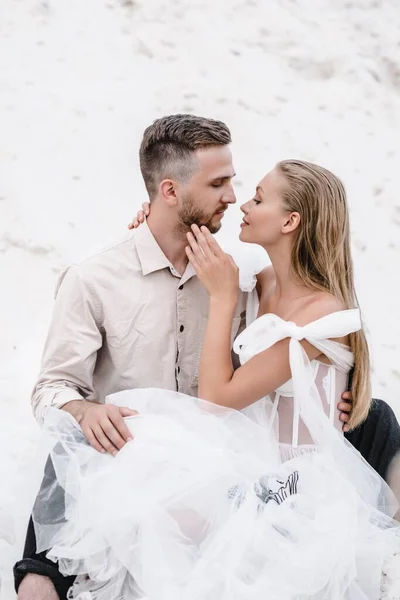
point(378, 438)
point(68, 363)
point(70, 351)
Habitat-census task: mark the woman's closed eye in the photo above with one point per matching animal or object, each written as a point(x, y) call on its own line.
point(256, 201)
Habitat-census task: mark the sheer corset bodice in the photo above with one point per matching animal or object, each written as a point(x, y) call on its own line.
point(315, 385)
point(330, 383)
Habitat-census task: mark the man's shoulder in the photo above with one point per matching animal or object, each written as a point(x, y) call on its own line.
point(120, 251)
point(104, 265)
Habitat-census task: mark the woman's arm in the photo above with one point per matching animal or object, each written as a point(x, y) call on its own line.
point(261, 375)
point(265, 372)
point(216, 369)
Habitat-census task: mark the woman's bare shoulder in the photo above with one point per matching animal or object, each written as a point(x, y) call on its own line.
point(265, 278)
point(319, 305)
point(266, 274)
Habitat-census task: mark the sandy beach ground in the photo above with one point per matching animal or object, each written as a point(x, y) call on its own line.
point(81, 79)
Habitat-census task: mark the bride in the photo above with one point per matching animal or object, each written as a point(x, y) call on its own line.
point(250, 491)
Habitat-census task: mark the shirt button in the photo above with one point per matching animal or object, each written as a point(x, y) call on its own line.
point(180, 287)
point(181, 328)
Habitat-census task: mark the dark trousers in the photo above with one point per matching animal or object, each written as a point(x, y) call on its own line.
point(37, 562)
point(34, 562)
point(377, 439)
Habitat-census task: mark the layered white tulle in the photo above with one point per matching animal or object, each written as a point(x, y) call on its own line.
point(201, 506)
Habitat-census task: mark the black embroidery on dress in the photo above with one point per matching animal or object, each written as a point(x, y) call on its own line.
point(264, 491)
point(266, 494)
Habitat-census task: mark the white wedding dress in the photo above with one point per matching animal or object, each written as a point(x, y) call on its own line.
point(207, 503)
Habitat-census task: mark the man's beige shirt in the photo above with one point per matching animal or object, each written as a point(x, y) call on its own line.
point(124, 319)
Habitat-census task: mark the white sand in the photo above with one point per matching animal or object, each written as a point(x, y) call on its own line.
point(80, 80)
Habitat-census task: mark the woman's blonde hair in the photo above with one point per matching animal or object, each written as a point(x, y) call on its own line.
point(321, 256)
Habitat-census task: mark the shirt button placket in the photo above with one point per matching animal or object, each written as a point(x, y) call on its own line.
point(180, 316)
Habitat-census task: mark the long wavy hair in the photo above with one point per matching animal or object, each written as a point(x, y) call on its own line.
point(321, 256)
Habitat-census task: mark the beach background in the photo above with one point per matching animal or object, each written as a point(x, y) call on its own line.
point(81, 79)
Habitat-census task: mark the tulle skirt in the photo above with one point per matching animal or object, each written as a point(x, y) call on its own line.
point(201, 506)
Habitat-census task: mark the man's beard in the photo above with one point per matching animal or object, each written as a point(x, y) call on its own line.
point(190, 214)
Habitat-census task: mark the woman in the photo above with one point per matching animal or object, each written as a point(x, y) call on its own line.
point(251, 492)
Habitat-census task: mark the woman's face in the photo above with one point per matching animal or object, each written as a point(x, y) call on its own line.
point(264, 216)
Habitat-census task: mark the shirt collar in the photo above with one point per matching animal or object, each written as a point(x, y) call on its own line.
point(188, 274)
point(151, 257)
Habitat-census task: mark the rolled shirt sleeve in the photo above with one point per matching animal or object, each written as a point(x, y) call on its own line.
point(71, 347)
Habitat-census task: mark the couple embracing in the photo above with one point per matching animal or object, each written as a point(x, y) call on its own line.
point(217, 467)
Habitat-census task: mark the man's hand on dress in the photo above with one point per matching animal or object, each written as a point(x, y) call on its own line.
point(102, 424)
point(345, 409)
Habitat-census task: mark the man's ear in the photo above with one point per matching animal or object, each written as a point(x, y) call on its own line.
point(167, 191)
point(291, 223)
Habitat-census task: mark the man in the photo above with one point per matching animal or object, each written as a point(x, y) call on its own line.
point(135, 314)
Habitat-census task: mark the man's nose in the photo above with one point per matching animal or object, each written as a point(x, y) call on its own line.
point(229, 197)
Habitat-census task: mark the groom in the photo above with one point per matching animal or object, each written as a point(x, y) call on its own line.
point(135, 314)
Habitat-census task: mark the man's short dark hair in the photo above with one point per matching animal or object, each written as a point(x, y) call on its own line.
point(168, 146)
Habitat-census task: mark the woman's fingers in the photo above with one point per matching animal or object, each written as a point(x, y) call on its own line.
point(202, 242)
point(212, 242)
point(204, 249)
point(138, 219)
point(140, 216)
point(195, 248)
point(135, 223)
point(192, 259)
